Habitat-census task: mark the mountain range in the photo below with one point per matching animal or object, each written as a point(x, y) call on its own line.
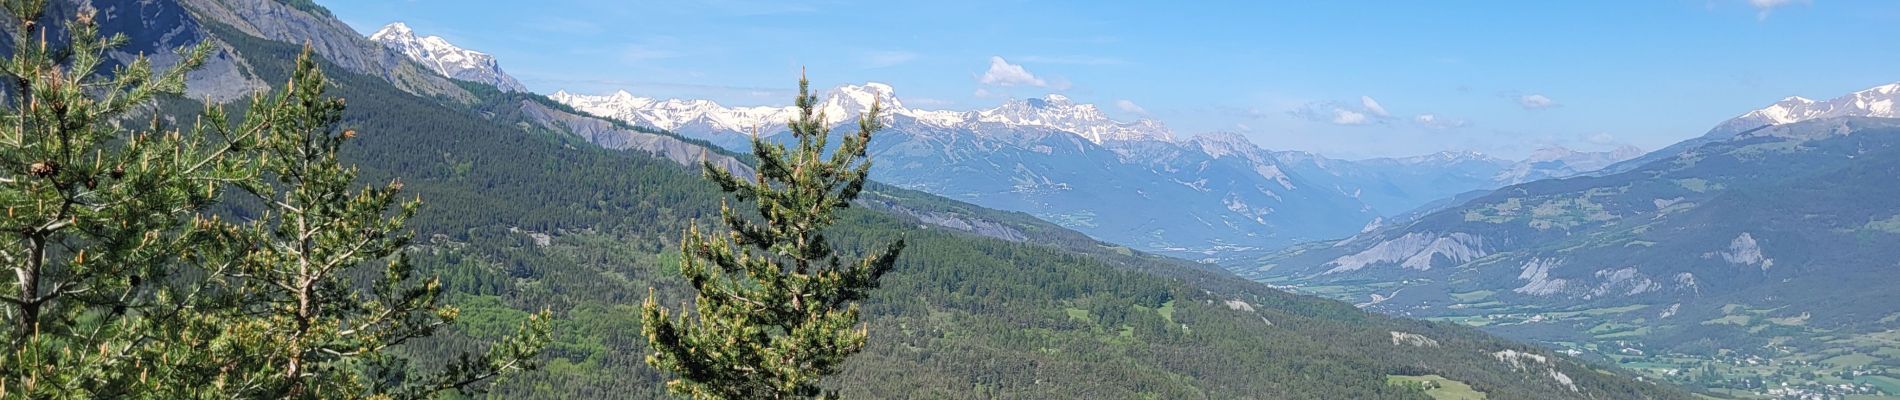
point(1208, 196)
point(1072, 164)
point(1706, 263)
point(1767, 243)
point(534, 205)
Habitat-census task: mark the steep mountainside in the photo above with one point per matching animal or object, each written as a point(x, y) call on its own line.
point(1775, 243)
point(525, 213)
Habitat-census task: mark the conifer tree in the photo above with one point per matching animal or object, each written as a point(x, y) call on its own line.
point(94, 214)
point(307, 321)
point(124, 283)
point(775, 306)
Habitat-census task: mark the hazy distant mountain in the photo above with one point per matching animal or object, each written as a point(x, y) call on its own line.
point(445, 58)
point(1395, 186)
point(1063, 161)
point(1875, 102)
point(1559, 162)
point(1211, 195)
point(1788, 229)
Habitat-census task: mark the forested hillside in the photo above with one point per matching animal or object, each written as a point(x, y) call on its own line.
point(520, 217)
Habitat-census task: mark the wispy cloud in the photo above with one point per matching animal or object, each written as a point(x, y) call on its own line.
point(1366, 111)
point(1130, 106)
point(1373, 106)
point(1002, 73)
point(1536, 101)
point(1435, 121)
point(649, 49)
point(886, 59)
point(1072, 60)
point(1601, 138)
point(1765, 7)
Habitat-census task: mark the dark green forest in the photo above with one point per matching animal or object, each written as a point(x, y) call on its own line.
point(518, 218)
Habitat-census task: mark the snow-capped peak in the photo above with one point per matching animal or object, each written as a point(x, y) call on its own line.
point(1450, 157)
point(445, 58)
point(1056, 111)
point(848, 102)
point(1876, 102)
point(853, 100)
point(393, 31)
point(1220, 144)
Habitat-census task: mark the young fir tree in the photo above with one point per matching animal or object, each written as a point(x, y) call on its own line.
point(307, 320)
point(775, 307)
point(96, 215)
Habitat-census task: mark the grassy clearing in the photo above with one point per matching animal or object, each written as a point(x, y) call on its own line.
point(1472, 296)
point(1078, 314)
point(1167, 311)
point(1438, 387)
point(1889, 225)
point(1852, 360)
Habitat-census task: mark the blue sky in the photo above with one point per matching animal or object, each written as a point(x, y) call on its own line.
point(1343, 78)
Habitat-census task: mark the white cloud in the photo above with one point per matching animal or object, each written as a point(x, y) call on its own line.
point(1372, 106)
point(1130, 106)
point(1348, 117)
point(1002, 73)
point(1434, 121)
point(1536, 102)
point(1602, 138)
point(1765, 7)
point(1367, 111)
point(884, 59)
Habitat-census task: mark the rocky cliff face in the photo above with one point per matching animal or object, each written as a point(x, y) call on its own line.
point(273, 20)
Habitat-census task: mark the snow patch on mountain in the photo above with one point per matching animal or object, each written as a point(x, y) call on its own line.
point(1875, 102)
point(849, 102)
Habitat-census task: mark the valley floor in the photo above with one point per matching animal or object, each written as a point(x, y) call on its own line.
point(1832, 365)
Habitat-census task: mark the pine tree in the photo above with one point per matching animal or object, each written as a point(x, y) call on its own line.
point(96, 215)
point(305, 320)
point(775, 307)
point(125, 283)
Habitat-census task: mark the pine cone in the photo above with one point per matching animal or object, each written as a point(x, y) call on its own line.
point(43, 169)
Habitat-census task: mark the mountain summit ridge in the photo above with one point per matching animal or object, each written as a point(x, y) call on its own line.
point(845, 102)
point(446, 58)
